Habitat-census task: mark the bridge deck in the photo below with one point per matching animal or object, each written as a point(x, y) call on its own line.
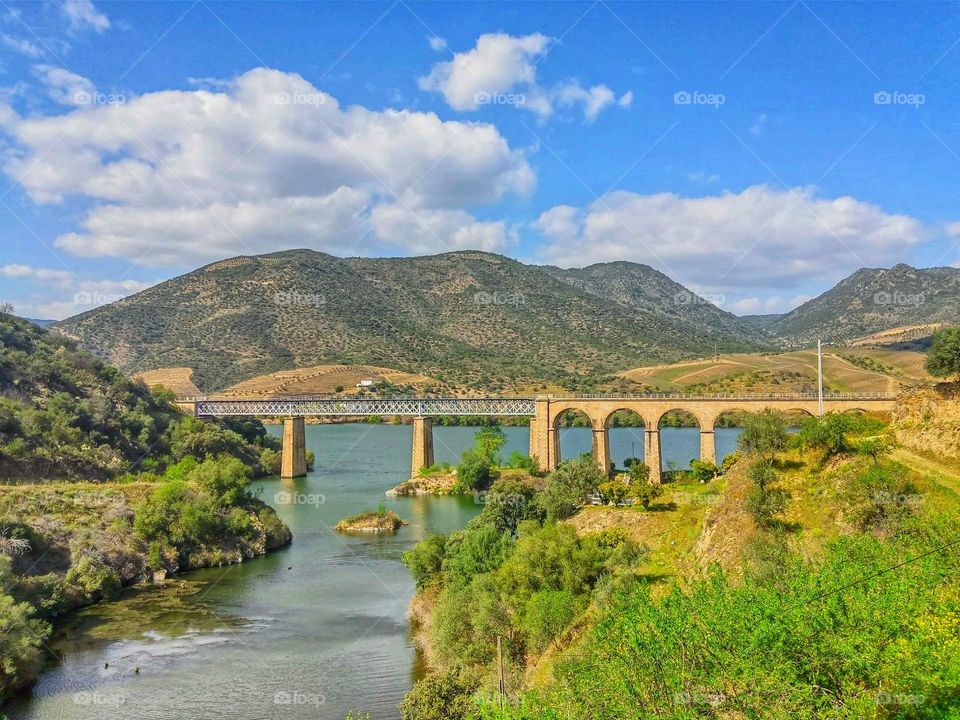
point(325, 406)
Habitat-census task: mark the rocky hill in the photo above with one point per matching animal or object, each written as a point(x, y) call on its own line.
point(468, 319)
point(868, 302)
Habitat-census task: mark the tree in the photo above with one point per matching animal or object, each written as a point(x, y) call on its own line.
point(473, 472)
point(943, 358)
point(22, 635)
point(569, 486)
point(426, 559)
point(764, 433)
point(827, 434)
point(488, 442)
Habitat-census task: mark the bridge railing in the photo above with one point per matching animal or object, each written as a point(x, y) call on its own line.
point(573, 396)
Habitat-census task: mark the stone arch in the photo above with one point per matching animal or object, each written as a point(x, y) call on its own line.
point(569, 417)
point(632, 420)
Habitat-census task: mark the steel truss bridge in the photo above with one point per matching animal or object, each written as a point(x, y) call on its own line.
point(320, 406)
point(340, 407)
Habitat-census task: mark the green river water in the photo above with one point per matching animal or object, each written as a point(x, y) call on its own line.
point(311, 631)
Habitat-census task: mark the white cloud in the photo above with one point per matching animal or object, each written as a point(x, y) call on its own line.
point(426, 232)
point(24, 47)
point(27, 271)
point(179, 177)
point(83, 15)
point(760, 237)
point(502, 69)
point(63, 86)
point(56, 294)
point(767, 305)
point(437, 43)
point(759, 126)
point(953, 229)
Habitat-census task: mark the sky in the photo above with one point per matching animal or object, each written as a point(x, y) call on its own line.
point(755, 152)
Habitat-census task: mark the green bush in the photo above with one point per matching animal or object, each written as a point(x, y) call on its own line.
point(764, 433)
point(425, 560)
point(93, 580)
point(439, 696)
point(473, 472)
point(547, 614)
point(703, 471)
point(570, 486)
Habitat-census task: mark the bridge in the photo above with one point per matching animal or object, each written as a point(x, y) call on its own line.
point(545, 413)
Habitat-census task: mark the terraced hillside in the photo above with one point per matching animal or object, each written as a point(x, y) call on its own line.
point(327, 379)
point(845, 370)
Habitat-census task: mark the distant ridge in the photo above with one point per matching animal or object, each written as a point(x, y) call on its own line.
point(466, 319)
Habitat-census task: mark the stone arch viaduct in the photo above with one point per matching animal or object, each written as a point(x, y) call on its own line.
point(545, 414)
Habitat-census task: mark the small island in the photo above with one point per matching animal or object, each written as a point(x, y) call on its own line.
point(378, 521)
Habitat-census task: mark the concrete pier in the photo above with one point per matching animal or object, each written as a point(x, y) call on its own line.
point(293, 457)
point(422, 445)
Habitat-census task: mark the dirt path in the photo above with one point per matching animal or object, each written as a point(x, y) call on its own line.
point(945, 475)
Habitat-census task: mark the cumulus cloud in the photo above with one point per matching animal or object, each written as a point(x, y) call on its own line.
point(502, 69)
point(178, 177)
point(55, 294)
point(82, 15)
point(63, 86)
point(760, 237)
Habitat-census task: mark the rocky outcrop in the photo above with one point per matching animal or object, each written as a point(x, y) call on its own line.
point(927, 419)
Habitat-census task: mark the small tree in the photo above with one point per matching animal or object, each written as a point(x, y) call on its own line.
point(569, 486)
point(943, 358)
point(488, 442)
point(764, 433)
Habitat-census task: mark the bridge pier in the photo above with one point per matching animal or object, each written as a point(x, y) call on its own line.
point(601, 448)
point(651, 453)
point(293, 456)
point(422, 445)
point(543, 437)
point(708, 446)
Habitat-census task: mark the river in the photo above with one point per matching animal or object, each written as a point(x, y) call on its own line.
point(311, 631)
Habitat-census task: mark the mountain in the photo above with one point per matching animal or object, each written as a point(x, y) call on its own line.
point(469, 319)
point(642, 288)
point(870, 301)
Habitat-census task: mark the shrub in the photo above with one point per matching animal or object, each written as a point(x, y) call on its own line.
point(764, 433)
point(519, 461)
point(473, 472)
point(765, 504)
point(703, 471)
point(93, 580)
point(425, 560)
point(440, 696)
point(614, 492)
point(569, 486)
point(508, 503)
point(547, 614)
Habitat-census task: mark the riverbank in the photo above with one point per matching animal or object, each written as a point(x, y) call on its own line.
point(70, 545)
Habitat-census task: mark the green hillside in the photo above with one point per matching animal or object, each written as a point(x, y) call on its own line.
point(468, 319)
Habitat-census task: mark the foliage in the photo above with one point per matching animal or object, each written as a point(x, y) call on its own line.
point(488, 441)
point(764, 433)
point(569, 486)
point(477, 549)
point(508, 503)
point(22, 635)
point(729, 461)
point(519, 461)
point(93, 579)
point(703, 471)
point(881, 498)
point(827, 434)
point(473, 472)
point(614, 492)
point(855, 635)
point(547, 614)
point(425, 560)
point(439, 696)
point(943, 358)
point(765, 504)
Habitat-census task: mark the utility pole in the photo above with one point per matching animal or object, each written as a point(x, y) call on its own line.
point(819, 377)
point(503, 685)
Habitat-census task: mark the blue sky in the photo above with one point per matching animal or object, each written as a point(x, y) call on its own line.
point(756, 152)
